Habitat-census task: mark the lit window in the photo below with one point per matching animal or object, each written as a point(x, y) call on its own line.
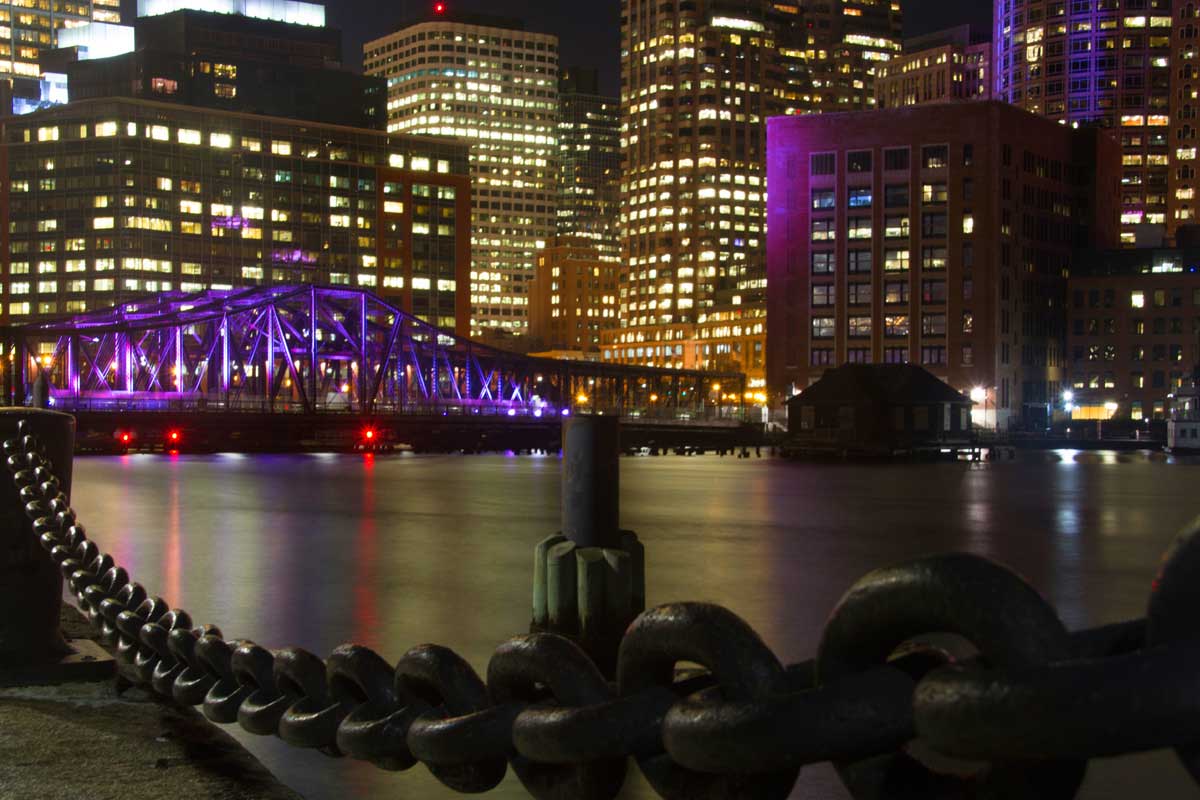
point(1137, 299)
point(221, 140)
point(164, 86)
point(968, 223)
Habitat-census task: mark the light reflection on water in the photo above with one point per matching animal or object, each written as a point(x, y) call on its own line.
point(393, 551)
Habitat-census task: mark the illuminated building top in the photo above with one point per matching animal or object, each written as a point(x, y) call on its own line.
point(293, 11)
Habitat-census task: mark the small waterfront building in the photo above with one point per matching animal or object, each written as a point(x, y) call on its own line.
point(878, 409)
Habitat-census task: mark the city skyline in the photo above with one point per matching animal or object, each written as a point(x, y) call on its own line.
point(589, 31)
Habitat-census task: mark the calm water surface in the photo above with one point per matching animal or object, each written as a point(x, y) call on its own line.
point(389, 552)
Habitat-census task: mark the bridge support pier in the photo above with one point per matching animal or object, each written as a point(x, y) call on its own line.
point(32, 648)
point(590, 579)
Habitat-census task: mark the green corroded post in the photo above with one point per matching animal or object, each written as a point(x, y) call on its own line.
point(541, 611)
point(590, 580)
point(561, 580)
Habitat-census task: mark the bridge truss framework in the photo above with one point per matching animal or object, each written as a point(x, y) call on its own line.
point(311, 349)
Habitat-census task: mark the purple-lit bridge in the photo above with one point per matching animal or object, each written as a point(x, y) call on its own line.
point(316, 366)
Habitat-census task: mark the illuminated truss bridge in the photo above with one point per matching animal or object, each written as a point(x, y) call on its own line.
point(309, 350)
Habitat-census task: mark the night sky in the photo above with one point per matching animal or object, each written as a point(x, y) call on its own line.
point(589, 28)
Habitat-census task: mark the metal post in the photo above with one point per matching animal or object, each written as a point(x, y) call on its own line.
point(591, 481)
point(39, 397)
point(30, 584)
point(590, 580)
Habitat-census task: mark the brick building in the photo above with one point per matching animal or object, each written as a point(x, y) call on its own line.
point(1134, 319)
point(900, 236)
point(574, 297)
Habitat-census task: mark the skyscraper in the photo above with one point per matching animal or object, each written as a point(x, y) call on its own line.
point(589, 144)
point(488, 82)
point(1098, 63)
point(699, 80)
point(1185, 82)
point(847, 43)
point(29, 31)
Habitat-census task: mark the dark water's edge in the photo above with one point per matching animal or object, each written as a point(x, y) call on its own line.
point(394, 551)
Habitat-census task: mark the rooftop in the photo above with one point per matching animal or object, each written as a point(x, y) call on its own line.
point(879, 384)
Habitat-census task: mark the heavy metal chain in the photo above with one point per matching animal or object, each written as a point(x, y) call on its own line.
point(1032, 705)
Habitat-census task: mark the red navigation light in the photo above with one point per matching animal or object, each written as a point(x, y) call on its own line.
point(125, 438)
point(439, 8)
point(369, 434)
point(173, 436)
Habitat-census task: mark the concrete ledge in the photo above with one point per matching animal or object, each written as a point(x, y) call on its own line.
point(88, 741)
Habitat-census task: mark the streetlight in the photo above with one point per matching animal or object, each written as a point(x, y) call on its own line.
point(1110, 408)
point(980, 395)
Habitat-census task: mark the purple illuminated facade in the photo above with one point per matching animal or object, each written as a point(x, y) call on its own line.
point(900, 236)
point(1103, 63)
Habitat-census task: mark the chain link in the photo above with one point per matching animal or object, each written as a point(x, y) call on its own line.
point(1032, 705)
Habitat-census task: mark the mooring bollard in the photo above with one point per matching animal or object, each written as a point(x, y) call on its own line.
point(591, 481)
point(590, 580)
point(31, 586)
point(32, 648)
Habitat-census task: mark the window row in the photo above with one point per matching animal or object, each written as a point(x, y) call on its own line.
point(858, 262)
point(895, 325)
point(932, 156)
point(930, 355)
point(932, 224)
point(1160, 326)
point(1109, 352)
point(894, 196)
